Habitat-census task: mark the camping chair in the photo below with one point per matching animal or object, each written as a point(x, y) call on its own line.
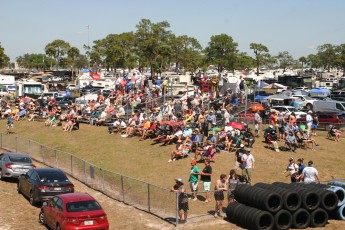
point(236, 144)
point(330, 134)
point(268, 142)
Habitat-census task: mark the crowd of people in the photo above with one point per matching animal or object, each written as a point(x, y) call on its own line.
point(199, 126)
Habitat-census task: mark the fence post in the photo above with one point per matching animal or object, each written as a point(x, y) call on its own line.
point(176, 223)
point(85, 172)
point(148, 198)
point(102, 179)
point(123, 192)
point(56, 159)
point(1, 140)
point(71, 165)
point(16, 144)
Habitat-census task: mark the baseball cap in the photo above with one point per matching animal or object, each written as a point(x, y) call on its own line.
point(271, 126)
point(179, 180)
point(242, 145)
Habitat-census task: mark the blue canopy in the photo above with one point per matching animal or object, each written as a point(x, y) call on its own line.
point(319, 92)
point(84, 70)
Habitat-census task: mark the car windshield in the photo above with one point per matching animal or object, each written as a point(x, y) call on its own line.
point(308, 98)
point(83, 206)
point(20, 159)
point(292, 109)
point(53, 176)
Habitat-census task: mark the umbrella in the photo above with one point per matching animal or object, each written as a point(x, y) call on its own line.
point(236, 125)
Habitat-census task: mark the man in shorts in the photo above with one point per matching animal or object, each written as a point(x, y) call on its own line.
point(193, 179)
point(9, 125)
point(183, 206)
point(206, 178)
point(310, 175)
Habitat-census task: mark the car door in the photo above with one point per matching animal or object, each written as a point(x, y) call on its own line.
point(24, 182)
point(49, 212)
point(1, 156)
point(58, 216)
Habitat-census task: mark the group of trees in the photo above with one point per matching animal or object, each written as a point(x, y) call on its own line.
point(154, 46)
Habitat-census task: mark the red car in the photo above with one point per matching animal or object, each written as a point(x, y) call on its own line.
point(73, 211)
point(326, 119)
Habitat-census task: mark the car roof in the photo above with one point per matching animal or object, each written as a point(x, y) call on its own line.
point(16, 154)
point(44, 170)
point(73, 197)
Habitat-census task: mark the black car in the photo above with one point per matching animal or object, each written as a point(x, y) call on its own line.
point(64, 102)
point(41, 184)
point(89, 89)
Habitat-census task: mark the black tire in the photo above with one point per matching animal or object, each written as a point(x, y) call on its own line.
point(1, 177)
point(300, 219)
point(41, 217)
point(282, 220)
point(19, 188)
point(32, 199)
point(309, 106)
point(318, 218)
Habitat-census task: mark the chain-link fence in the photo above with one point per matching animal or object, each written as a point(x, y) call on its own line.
point(140, 194)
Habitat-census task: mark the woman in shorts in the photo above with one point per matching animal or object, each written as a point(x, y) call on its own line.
point(221, 186)
point(233, 181)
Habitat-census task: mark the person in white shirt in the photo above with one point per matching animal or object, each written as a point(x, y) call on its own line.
point(248, 165)
point(310, 175)
point(309, 121)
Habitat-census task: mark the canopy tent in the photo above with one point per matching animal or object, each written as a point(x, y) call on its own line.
point(275, 86)
point(261, 85)
point(84, 70)
point(319, 92)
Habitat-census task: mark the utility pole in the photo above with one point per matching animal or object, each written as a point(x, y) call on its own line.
point(88, 43)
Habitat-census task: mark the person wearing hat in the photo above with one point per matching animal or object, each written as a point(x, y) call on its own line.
point(247, 165)
point(291, 170)
point(194, 178)
point(310, 175)
point(211, 139)
point(194, 140)
point(271, 137)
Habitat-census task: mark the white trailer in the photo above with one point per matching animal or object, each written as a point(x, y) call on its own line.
point(31, 89)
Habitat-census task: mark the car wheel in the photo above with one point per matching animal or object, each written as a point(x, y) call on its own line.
point(31, 199)
point(58, 227)
point(1, 177)
point(41, 217)
point(309, 106)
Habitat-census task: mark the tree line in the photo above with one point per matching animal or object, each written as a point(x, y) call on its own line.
point(154, 46)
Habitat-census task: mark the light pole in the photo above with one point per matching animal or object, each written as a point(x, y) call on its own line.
point(88, 43)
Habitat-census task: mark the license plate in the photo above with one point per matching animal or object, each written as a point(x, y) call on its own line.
point(57, 189)
point(20, 170)
point(88, 222)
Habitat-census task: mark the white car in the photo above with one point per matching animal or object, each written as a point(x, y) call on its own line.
point(71, 87)
point(307, 101)
point(287, 110)
point(302, 88)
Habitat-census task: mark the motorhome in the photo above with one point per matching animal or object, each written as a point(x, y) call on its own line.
point(29, 88)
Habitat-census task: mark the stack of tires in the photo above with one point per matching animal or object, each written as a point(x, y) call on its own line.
point(338, 188)
point(281, 206)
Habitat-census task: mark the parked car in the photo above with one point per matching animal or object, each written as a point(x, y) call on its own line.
point(287, 110)
point(14, 164)
point(73, 211)
point(64, 102)
point(327, 118)
point(329, 106)
point(89, 89)
point(40, 184)
point(307, 101)
point(71, 87)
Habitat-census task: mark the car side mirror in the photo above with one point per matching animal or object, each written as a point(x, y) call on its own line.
point(45, 203)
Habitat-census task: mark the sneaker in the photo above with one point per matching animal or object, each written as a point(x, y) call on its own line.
point(277, 150)
point(313, 149)
point(170, 160)
point(174, 159)
point(215, 215)
point(195, 199)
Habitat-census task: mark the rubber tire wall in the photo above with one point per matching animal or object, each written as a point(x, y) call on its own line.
point(249, 217)
point(258, 198)
point(340, 193)
point(291, 199)
point(328, 200)
point(318, 218)
point(310, 200)
point(300, 219)
point(282, 220)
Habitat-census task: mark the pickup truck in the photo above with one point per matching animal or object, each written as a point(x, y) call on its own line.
point(307, 101)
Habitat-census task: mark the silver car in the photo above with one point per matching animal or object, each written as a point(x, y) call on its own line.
point(14, 164)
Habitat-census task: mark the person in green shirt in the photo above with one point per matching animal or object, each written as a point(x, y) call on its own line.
point(194, 178)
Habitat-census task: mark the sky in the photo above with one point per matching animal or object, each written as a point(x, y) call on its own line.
point(296, 26)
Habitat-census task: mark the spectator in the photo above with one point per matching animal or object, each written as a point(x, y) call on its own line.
point(335, 132)
point(248, 165)
point(292, 169)
point(238, 157)
point(309, 121)
point(182, 200)
point(206, 178)
point(291, 141)
point(301, 166)
point(258, 123)
point(221, 186)
point(233, 181)
point(9, 124)
point(193, 179)
point(310, 174)
point(281, 124)
point(314, 125)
